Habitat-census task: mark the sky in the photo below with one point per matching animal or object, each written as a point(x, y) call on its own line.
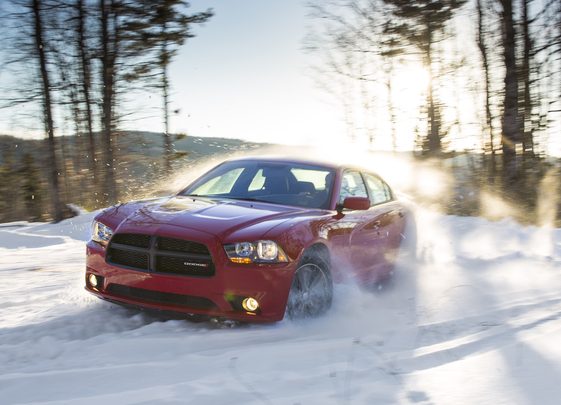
point(246, 76)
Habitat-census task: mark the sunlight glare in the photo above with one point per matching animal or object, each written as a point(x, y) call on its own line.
point(411, 82)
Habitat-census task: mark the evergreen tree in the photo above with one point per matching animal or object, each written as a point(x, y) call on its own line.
point(160, 28)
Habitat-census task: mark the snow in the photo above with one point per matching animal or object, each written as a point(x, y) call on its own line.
point(475, 319)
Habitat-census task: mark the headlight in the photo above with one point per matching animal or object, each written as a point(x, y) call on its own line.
point(101, 233)
point(262, 251)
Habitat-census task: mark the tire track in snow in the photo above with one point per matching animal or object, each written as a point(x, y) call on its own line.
point(437, 354)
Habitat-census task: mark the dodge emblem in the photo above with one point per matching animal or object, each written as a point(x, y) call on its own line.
point(195, 264)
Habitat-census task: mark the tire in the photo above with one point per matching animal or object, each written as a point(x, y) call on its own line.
point(311, 292)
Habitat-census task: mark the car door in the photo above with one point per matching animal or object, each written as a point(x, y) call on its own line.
point(388, 219)
point(363, 229)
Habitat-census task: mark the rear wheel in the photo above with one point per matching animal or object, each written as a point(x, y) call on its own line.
point(311, 292)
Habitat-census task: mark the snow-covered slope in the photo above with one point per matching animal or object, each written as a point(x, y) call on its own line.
point(476, 319)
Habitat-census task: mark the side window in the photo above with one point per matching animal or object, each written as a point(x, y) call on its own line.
point(379, 191)
point(317, 178)
point(258, 181)
point(352, 186)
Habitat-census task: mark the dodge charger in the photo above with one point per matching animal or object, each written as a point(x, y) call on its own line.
point(253, 239)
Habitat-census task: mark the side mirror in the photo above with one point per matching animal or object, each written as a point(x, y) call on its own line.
point(354, 203)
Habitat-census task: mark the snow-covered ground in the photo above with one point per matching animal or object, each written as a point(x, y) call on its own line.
point(475, 320)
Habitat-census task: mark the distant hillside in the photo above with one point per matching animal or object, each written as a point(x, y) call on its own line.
point(138, 169)
point(130, 143)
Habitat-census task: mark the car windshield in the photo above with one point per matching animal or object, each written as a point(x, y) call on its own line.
point(283, 183)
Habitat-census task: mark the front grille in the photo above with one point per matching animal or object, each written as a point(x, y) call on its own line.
point(137, 260)
point(159, 297)
point(160, 255)
point(180, 245)
point(132, 239)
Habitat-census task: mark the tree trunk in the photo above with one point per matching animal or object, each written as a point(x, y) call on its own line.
point(86, 80)
point(168, 147)
point(489, 116)
point(510, 122)
point(48, 117)
point(528, 138)
point(434, 144)
point(108, 76)
point(485, 62)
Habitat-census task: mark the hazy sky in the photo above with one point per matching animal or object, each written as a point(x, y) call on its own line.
point(245, 76)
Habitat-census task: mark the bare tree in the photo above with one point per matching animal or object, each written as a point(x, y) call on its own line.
point(358, 53)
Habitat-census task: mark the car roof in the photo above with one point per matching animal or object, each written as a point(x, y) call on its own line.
point(311, 162)
point(285, 159)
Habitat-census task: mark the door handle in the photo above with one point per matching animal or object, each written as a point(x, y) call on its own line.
point(400, 213)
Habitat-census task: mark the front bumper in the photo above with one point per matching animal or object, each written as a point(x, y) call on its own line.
point(218, 296)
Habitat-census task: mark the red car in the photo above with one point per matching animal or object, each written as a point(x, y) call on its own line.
point(251, 240)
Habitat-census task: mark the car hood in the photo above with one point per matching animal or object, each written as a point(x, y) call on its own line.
point(216, 217)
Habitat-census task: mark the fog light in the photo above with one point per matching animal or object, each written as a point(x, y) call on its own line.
point(92, 278)
point(250, 304)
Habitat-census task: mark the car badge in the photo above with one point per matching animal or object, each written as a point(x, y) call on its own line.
point(195, 264)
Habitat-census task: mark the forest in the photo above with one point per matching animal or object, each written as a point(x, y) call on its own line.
point(436, 79)
point(78, 60)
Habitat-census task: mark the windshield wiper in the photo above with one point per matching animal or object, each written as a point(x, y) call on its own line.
point(247, 199)
point(239, 198)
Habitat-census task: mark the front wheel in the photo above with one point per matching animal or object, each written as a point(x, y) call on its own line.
point(311, 292)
